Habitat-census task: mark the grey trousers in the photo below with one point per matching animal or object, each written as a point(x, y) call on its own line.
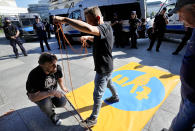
point(47, 105)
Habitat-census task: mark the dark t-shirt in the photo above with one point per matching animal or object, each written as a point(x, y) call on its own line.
point(39, 81)
point(159, 23)
point(40, 29)
point(10, 30)
point(102, 49)
point(117, 27)
point(133, 24)
point(47, 26)
point(187, 72)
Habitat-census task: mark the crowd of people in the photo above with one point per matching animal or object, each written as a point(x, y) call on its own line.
point(137, 29)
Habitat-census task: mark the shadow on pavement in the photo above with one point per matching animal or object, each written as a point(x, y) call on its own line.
point(167, 76)
point(32, 119)
point(7, 57)
point(67, 114)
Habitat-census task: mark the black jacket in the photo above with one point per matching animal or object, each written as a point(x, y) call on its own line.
point(10, 30)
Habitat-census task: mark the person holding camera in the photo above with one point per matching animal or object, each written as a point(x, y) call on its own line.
point(42, 84)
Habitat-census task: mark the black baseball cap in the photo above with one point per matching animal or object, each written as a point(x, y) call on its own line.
point(133, 12)
point(36, 17)
point(165, 9)
point(181, 3)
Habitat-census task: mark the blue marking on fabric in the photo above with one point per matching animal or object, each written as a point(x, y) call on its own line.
point(128, 101)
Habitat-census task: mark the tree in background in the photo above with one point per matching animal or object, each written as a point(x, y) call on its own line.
point(147, 15)
point(152, 14)
point(1, 24)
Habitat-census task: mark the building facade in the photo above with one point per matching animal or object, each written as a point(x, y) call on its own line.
point(42, 8)
point(9, 7)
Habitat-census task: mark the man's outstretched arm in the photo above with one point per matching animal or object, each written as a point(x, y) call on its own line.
point(78, 24)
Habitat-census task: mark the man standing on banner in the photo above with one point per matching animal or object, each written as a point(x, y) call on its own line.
point(40, 29)
point(12, 33)
point(159, 28)
point(102, 53)
point(42, 83)
point(186, 115)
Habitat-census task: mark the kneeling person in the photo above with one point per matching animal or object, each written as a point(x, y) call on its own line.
point(41, 86)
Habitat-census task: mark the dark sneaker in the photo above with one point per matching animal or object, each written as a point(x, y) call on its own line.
point(25, 54)
point(17, 56)
point(134, 47)
point(164, 129)
point(157, 50)
point(55, 119)
point(88, 123)
point(148, 49)
point(174, 53)
point(112, 99)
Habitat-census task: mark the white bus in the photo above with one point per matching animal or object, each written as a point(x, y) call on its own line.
point(108, 8)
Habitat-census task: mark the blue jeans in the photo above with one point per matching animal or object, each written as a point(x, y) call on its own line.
point(101, 82)
point(186, 116)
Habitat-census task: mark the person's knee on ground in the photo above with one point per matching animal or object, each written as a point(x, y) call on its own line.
point(46, 106)
point(59, 102)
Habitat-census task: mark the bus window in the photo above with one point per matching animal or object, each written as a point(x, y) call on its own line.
point(16, 23)
point(27, 22)
point(75, 15)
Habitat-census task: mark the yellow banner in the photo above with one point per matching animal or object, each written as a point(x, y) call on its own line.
point(141, 89)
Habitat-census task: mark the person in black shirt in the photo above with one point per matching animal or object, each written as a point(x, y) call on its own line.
point(133, 22)
point(41, 33)
point(142, 29)
point(159, 28)
point(47, 26)
point(102, 53)
point(187, 35)
point(116, 24)
point(12, 33)
point(41, 86)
